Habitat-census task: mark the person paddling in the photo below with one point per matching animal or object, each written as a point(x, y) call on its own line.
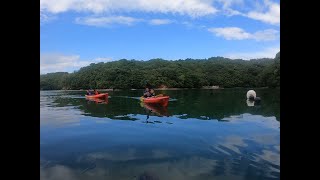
point(96, 92)
point(152, 93)
point(149, 92)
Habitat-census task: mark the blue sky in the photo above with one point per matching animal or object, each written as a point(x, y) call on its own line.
point(75, 33)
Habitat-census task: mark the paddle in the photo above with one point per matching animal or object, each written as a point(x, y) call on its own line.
point(159, 95)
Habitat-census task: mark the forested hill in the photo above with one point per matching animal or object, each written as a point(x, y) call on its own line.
point(188, 73)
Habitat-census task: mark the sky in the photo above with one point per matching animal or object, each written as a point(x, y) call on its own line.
point(75, 33)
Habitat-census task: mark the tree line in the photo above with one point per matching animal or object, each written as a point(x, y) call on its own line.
point(188, 73)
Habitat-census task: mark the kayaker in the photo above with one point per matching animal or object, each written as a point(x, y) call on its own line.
point(96, 92)
point(152, 93)
point(146, 92)
point(149, 93)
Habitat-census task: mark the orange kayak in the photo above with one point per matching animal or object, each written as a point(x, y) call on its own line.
point(163, 100)
point(102, 95)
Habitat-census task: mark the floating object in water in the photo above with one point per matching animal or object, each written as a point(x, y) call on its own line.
point(252, 98)
point(257, 99)
point(162, 100)
point(251, 95)
point(102, 95)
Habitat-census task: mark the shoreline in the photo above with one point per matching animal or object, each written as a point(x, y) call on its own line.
point(169, 89)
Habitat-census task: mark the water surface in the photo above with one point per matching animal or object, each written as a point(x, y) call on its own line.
point(202, 134)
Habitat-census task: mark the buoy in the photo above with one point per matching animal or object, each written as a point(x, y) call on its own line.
point(251, 94)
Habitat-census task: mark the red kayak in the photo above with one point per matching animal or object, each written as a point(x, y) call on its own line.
point(102, 95)
point(162, 100)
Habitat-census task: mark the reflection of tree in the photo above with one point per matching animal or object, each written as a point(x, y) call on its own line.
point(217, 104)
point(199, 104)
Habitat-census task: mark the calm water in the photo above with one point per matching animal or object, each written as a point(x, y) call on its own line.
point(202, 134)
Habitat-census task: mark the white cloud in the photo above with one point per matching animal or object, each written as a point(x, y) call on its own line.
point(226, 6)
point(160, 21)
point(267, 12)
point(265, 53)
point(235, 33)
point(230, 33)
point(271, 16)
point(54, 62)
point(190, 25)
point(43, 17)
point(103, 59)
point(46, 17)
point(193, 8)
point(125, 20)
point(228, 3)
point(265, 35)
point(106, 21)
point(232, 12)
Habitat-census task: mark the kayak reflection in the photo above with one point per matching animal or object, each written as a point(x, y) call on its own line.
point(156, 109)
point(97, 100)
